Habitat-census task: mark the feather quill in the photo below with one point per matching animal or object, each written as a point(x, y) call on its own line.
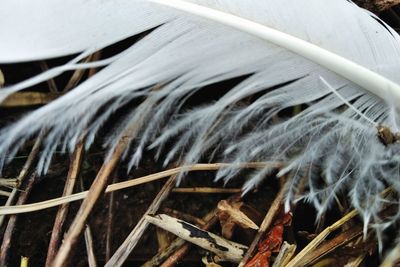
point(291, 51)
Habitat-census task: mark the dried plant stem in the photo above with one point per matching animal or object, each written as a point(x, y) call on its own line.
point(50, 83)
point(23, 173)
point(207, 190)
point(183, 246)
point(110, 222)
point(23, 99)
point(130, 242)
point(6, 244)
point(78, 74)
point(298, 259)
point(98, 187)
point(328, 246)
point(5, 193)
point(285, 254)
point(73, 173)
point(225, 249)
point(271, 214)
point(137, 181)
point(89, 247)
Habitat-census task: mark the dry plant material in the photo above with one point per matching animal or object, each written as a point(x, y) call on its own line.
point(90, 247)
point(50, 82)
point(78, 74)
point(330, 245)
point(6, 244)
point(298, 259)
point(179, 247)
point(9, 182)
point(24, 99)
point(225, 249)
point(377, 5)
point(137, 181)
point(184, 216)
point(207, 190)
point(230, 214)
point(130, 242)
point(210, 261)
point(5, 193)
point(392, 258)
point(110, 221)
point(72, 176)
point(24, 262)
point(22, 175)
point(2, 80)
point(97, 188)
point(271, 243)
point(285, 254)
point(268, 219)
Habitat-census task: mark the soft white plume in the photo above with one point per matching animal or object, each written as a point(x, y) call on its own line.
point(335, 151)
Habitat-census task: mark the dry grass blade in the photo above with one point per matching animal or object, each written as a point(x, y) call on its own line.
point(141, 180)
point(225, 249)
point(299, 258)
point(23, 99)
point(73, 172)
point(207, 190)
point(285, 254)
point(130, 242)
point(5, 193)
point(271, 214)
point(328, 246)
point(9, 182)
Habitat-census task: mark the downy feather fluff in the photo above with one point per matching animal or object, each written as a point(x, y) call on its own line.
point(331, 149)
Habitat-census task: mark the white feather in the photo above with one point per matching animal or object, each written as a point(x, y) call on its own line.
point(283, 47)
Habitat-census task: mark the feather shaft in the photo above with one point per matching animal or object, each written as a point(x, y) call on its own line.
point(367, 79)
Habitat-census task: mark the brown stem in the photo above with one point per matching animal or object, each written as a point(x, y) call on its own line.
point(6, 244)
point(73, 172)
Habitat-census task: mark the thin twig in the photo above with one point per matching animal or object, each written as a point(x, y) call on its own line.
point(89, 247)
point(207, 190)
point(23, 173)
point(50, 83)
point(110, 221)
point(130, 242)
point(137, 181)
point(6, 244)
point(73, 173)
point(98, 187)
point(296, 261)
